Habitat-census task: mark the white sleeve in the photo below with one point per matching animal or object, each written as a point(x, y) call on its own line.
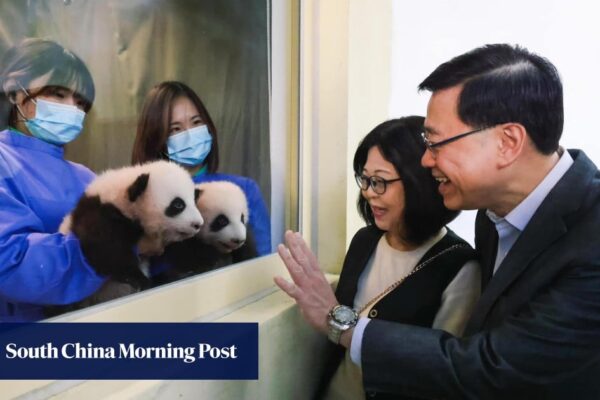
point(459, 299)
point(356, 343)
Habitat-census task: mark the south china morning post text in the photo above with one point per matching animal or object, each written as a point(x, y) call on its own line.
point(79, 351)
point(129, 351)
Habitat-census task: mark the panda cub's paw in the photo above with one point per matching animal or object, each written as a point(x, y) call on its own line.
point(151, 246)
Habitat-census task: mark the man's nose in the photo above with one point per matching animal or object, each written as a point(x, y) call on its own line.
point(427, 160)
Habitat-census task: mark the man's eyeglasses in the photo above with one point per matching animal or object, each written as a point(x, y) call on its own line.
point(377, 183)
point(433, 146)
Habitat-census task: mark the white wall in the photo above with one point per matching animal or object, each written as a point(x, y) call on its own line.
point(323, 128)
point(428, 32)
point(369, 89)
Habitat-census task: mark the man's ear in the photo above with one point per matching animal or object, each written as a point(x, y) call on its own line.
point(513, 137)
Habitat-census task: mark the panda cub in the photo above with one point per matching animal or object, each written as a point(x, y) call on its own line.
point(223, 239)
point(148, 206)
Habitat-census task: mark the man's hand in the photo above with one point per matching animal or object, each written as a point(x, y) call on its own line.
point(310, 289)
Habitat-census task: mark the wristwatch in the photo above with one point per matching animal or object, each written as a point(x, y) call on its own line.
point(340, 319)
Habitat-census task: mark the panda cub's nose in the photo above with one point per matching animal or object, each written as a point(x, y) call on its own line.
point(196, 225)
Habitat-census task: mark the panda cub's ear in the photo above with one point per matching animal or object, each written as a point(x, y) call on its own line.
point(137, 188)
point(197, 193)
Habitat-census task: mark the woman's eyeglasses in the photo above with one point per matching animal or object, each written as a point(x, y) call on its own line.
point(377, 183)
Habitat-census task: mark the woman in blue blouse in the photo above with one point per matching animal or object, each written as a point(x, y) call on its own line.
point(45, 94)
point(175, 125)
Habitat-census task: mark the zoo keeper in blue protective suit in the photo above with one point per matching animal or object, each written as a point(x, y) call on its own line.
point(46, 91)
point(174, 124)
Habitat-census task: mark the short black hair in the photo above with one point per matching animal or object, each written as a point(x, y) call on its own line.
point(400, 143)
point(504, 83)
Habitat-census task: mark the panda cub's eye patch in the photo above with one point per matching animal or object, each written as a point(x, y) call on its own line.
point(176, 207)
point(219, 223)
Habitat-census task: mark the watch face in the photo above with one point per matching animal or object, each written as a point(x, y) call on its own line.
point(344, 315)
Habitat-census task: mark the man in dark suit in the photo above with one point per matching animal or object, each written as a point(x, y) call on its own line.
point(493, 126)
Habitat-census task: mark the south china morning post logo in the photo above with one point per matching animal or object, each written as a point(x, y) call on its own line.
point(129, 351)
point(124, 350)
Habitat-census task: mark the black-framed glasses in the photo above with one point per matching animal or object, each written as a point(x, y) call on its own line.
point(377, 183)
point(432, 146)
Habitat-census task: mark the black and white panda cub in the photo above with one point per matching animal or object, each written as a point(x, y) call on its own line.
point(148, 206)
point(223, 239)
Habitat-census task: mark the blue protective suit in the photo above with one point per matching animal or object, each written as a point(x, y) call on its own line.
point(260, 222)
point(39, 266)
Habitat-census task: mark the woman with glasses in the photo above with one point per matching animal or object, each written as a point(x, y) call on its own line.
point(175, 125)
point(45, 94)
point(405, 265)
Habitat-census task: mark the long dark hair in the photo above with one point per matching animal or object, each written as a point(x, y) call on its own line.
point(153, 124)
point(400, 143)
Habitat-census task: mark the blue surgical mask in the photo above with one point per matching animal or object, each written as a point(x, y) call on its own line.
point(190, 147)
point(54, 122)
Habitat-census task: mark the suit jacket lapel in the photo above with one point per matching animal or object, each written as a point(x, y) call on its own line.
point(540, 233)
point(545, 227)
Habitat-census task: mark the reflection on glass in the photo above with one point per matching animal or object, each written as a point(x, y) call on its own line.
point(219, 49)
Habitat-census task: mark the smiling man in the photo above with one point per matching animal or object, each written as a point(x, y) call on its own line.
point(492, 130)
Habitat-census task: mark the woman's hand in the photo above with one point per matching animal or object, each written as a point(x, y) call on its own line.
point(310, 289)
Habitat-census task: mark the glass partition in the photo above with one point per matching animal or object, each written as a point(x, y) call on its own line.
point(220, 49)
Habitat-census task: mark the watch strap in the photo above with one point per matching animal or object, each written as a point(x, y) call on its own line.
point(334, 334)
point(336, 327)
